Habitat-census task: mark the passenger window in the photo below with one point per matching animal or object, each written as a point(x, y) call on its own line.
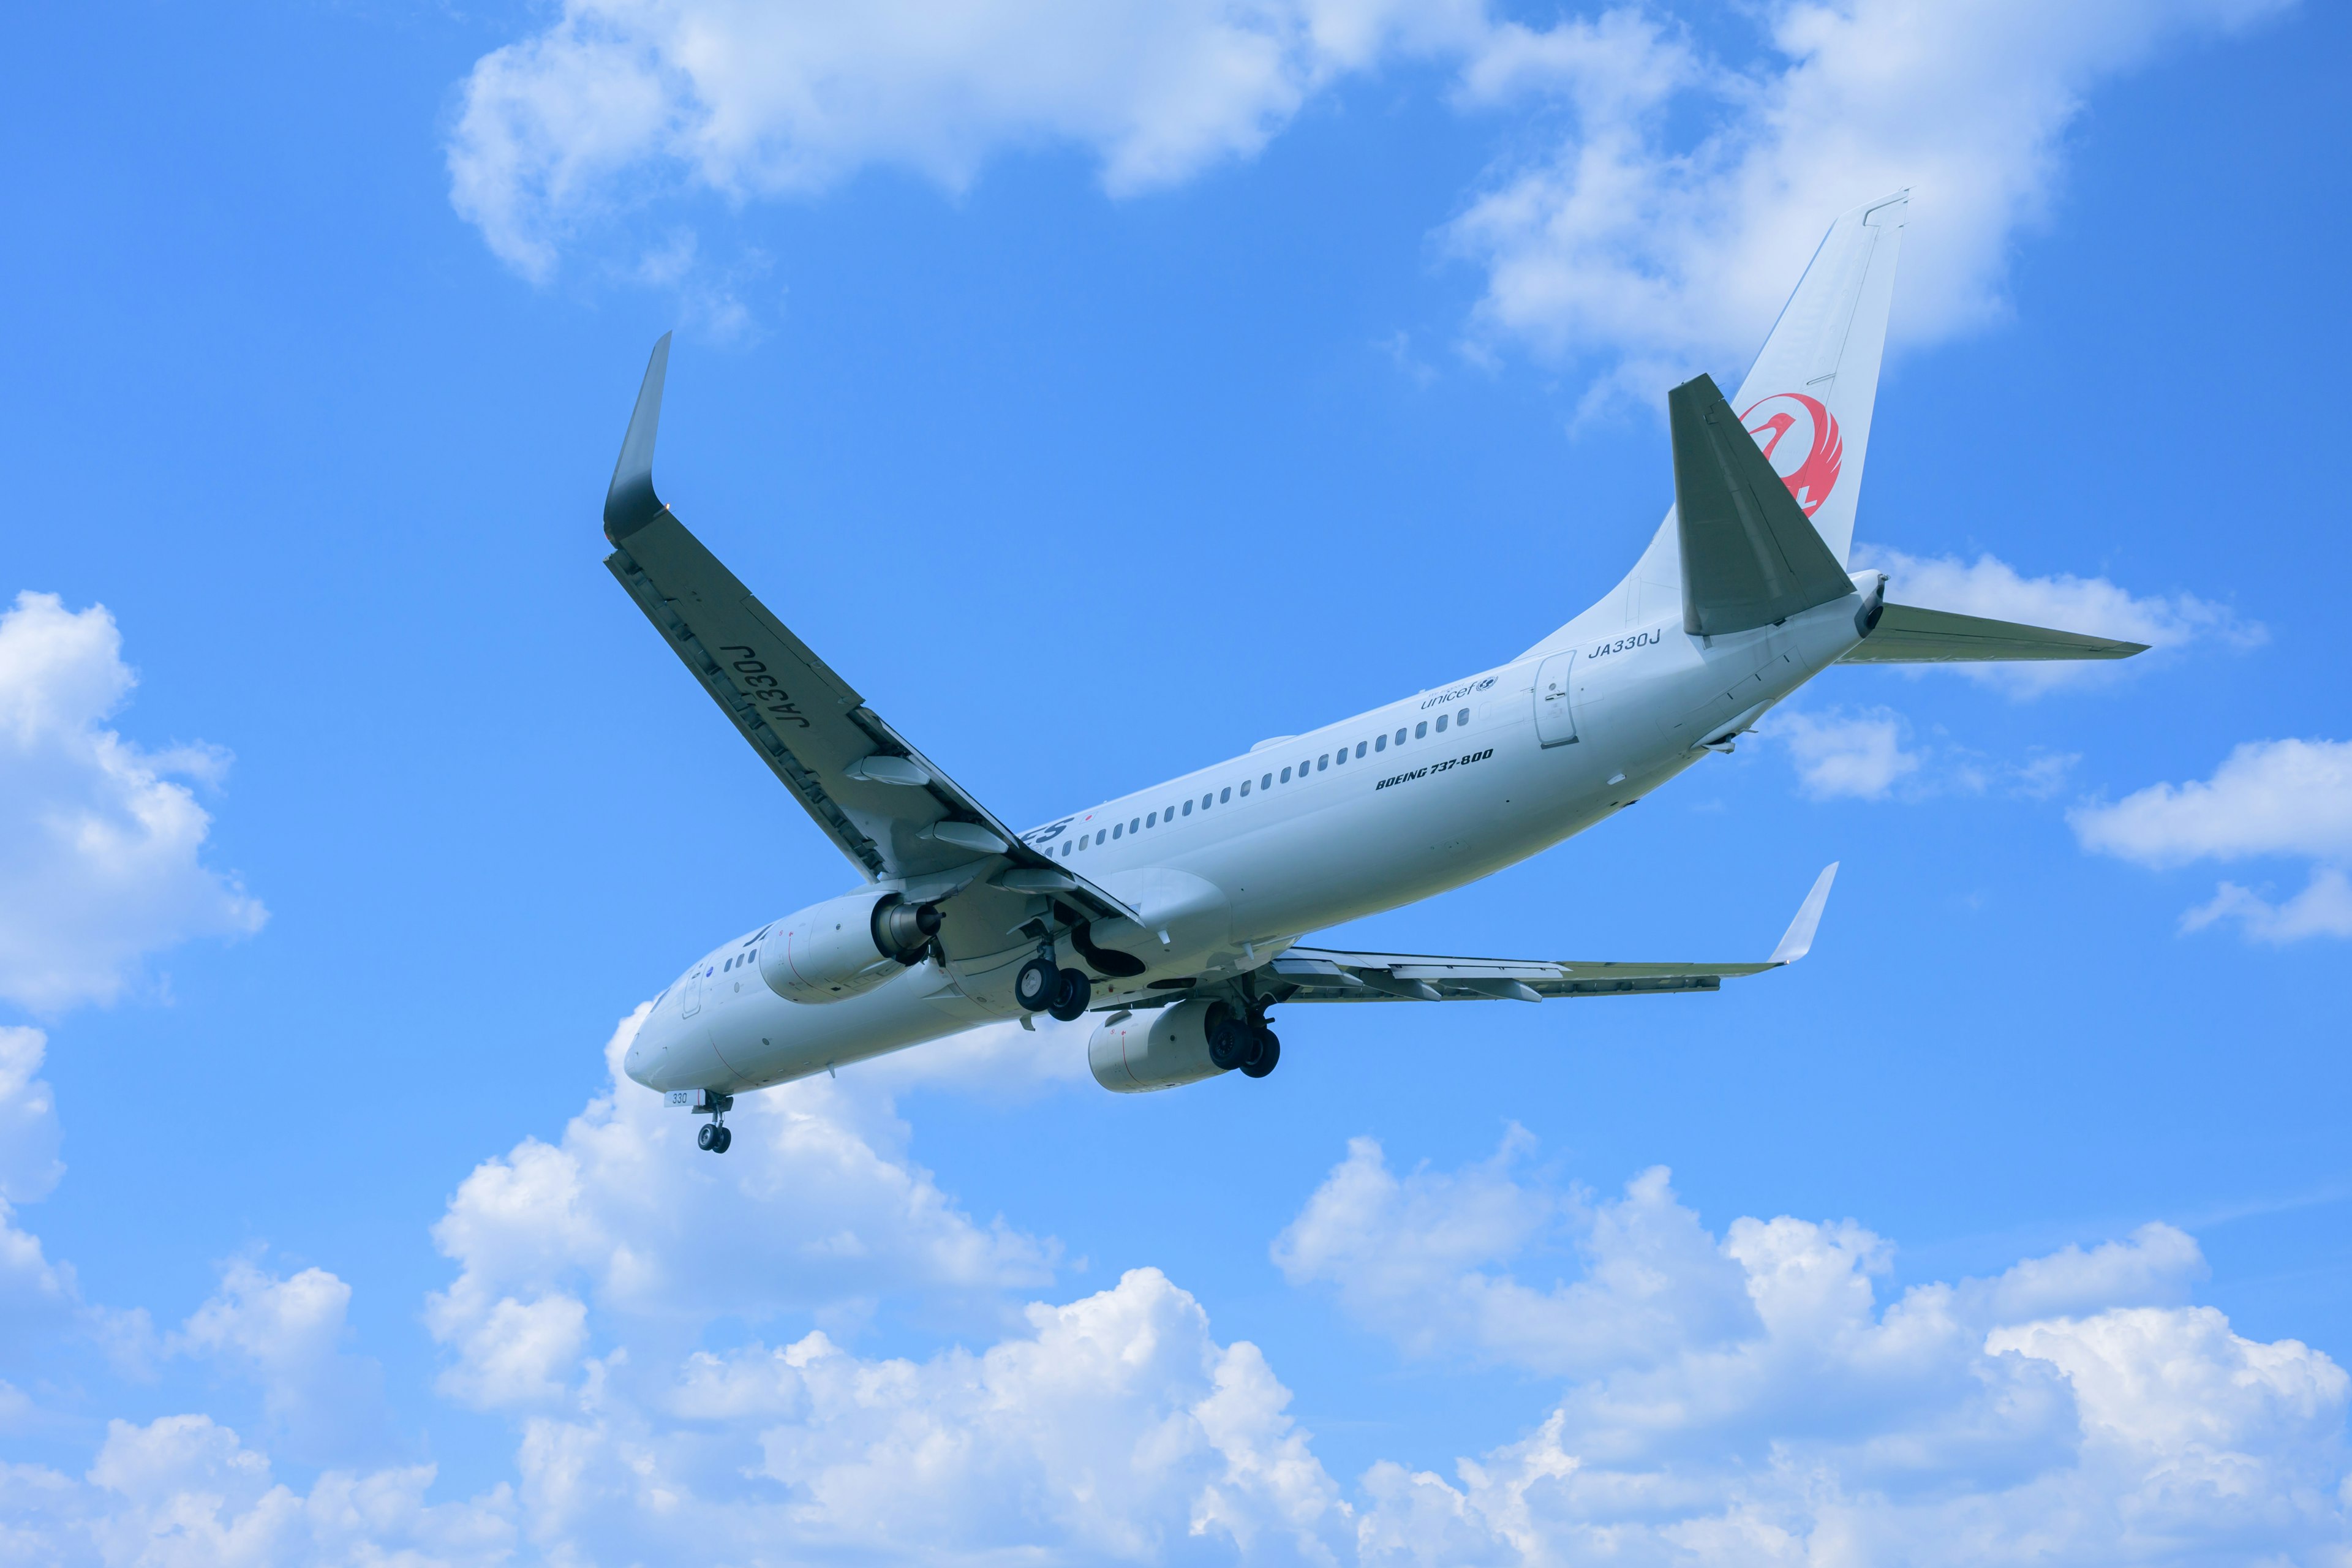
point(1400, 737)
point(1267, 782)
point(1100, 836)
point(1421, 729)
point(1359, 748)
point(1225, 795)
point(1244, 787)
point(1286, 775)
point(1380, 744)
point(1116, 829)
point(1440, 724)
point(1188, 806)
point(1322, 764)
point(1065, 847)
point(1462, 717)
point(1152, 820)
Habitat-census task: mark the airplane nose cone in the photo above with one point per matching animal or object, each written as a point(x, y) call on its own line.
point(635, 1062)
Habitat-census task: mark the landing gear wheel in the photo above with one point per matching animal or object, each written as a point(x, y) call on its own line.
point(1071, 996)
point(726, 1140)
point(1267, 1051)
point(1038, 985)
point(1229, 1045)
point(708, 1138)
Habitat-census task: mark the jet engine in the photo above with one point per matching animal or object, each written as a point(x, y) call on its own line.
point(844, 946)
point(1139, 1051)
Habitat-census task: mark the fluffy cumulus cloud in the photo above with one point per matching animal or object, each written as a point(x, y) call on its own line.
point(2269, 799)
point(1628, 237)
point(819, 1208)
point(100, 844)
point(615, 97)
point(286, 1335)
point(1752, 1398)
point(1759, 1394)
point(184, 1491)
point(1669, 194)
point(1106, 1428)
point(1991, 587)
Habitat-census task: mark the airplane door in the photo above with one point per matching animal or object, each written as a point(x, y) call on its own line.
point(690, 1000)
point(1555, 716)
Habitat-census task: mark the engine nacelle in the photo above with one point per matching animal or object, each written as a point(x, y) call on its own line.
point(844, 946)
point(1156, 1050)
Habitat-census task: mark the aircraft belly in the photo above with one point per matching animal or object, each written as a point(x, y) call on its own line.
point(769, 1040)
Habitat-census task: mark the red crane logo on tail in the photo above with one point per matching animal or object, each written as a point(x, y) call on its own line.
point(1801, 440)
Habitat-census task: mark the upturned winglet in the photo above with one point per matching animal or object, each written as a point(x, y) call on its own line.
point(1798, 939)
point(631, 503)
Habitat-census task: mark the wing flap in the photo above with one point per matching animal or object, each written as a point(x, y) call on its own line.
point(1906, 633)
point(1332, 975)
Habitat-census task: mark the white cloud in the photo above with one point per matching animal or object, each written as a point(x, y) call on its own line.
point(1991, 587)
point(33, 1290)
point(1405, 1256)
point(98, 847)
point(616, 97)
point(1674, 199)
point(1837, 752)
point(29, 1167)
point(183, 1490)
point(1868, 753)
point(2269, 798)
point(2070, 1410)
point(818, 1209)
point(286, 1335)
point(1633, 240)
point(1108, 1429)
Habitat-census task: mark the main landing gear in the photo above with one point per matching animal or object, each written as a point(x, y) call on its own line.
point(1247, 1044)
point(1040, 987)
point(714, 1135)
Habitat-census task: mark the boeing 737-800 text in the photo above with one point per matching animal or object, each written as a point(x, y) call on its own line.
point(1175, 913)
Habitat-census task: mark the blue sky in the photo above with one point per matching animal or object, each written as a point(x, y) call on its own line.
point(1101, 389)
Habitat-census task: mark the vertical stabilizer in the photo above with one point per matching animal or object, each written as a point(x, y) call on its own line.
point(1806, 401)
point(1808, 398)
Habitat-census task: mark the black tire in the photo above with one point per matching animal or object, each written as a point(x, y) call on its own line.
point(1038, 985)
point(1262, 1060)
point(708, 1137)
point(1071, 998)
point(1229, 1045)
point(724, 1141)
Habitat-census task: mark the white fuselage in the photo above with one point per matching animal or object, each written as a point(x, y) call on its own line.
point(1230, 864)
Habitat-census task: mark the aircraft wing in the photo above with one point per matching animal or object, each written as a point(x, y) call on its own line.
point(1907, 634)
point(893, 811)
point(1323, 974)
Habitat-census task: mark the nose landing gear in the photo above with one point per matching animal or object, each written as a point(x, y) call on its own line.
point(714, 1135)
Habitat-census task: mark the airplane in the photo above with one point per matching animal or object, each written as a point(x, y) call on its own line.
point(1176, 913)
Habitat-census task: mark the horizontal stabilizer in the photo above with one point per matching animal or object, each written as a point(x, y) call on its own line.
point(1749, 556)
point(1909, 635)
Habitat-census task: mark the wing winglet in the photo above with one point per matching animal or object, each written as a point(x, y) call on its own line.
point(1798, 939)
point(631, 503)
